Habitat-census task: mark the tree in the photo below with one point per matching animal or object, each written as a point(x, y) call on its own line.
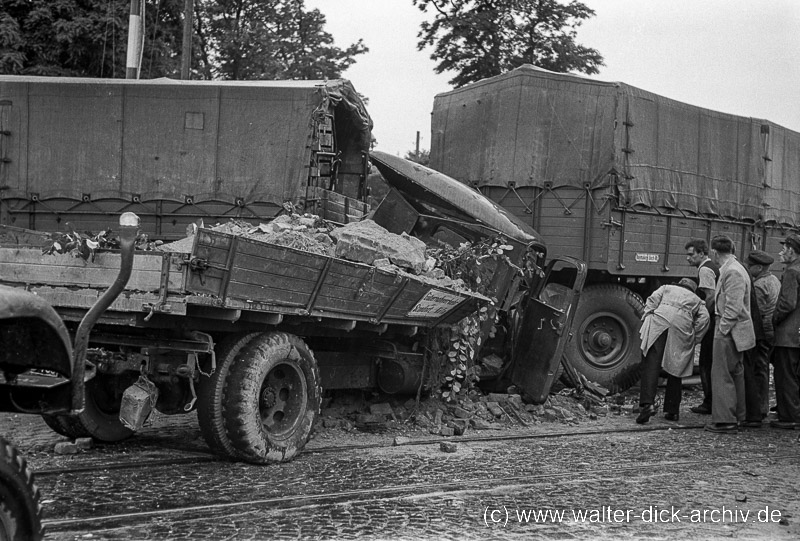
point(233, 39)
point(268, 39)
point(85, 38)
point(484, 38)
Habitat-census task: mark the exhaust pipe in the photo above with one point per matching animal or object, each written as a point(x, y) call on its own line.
point(129, 228)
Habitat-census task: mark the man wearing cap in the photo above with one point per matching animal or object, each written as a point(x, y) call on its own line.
point(674, 321)
point(733, 335)
point(786, 356)
point(707, 276)
point(766, 287)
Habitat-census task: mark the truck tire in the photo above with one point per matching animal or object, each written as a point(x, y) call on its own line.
point(272, 398)
point(211, 391)
point(100, 416)
point(605, 345)
point(20, 499)
point(57, 425)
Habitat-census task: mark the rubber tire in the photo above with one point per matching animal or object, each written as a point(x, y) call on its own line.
point(20, 499)
point(559, 380)
point(614, 308)
point(94, 422)
point(57, 424)
point(268, 360)
point(211, 392)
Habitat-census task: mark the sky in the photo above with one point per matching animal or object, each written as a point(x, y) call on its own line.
point(735, 56)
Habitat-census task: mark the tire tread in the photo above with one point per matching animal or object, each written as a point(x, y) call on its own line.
point(17, 481)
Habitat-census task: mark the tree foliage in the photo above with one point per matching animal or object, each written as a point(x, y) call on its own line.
point(232, 39)
point(257, 39)
point(86, 38)
point(483, 38)
point(422, 157)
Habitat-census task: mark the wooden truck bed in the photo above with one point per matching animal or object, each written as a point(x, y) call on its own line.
point(231, 272)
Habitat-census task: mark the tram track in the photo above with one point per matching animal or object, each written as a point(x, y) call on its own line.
point(209, 456)
point(286, 503)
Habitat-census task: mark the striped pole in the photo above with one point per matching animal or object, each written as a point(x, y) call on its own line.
point(135, 40)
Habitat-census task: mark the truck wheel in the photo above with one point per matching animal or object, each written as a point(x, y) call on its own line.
point(605, 345)
point(58, 425)
point(20, 499)
point(100, 416)
point(211, 391)
point(272, 398)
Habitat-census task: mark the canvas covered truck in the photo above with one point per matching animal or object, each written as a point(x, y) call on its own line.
point(248, 333)
point(621, 178)
point(84, 151)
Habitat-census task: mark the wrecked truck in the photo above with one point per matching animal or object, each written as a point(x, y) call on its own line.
point(247, 333)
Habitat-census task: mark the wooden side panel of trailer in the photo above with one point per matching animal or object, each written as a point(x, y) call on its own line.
point(625, 242)
point(240, 272)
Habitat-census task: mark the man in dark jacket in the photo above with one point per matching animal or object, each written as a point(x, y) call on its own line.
point(786, 356)
point(764, 295)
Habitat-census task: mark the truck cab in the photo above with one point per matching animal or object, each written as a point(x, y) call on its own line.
point(533, 300)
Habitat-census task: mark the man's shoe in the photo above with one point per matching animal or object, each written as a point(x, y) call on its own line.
point(672, 417)
point(786, 425)
point(702, 409)
point(645, 414)
point(750, 424)
point(722, 428)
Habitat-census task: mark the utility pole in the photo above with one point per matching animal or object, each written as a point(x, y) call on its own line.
point(135, 40)
point(186, 50)
point(417, 151)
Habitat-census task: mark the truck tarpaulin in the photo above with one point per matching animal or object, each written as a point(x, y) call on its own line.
point(532, 127)
point(170, 147)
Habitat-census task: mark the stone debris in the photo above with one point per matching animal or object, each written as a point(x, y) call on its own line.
point(66, 448)
point(480, 424)
point(475, 412)
point(84, 443)
point(448, 447)
point(302, 232)
point(383, 408)
point(366, 242)
point(401, 440)
point(491, 365)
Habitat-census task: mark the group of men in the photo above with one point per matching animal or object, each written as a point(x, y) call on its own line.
point(743, 317)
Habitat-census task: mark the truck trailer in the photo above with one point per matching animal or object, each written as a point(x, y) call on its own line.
point(174, 152)
point(621, 178)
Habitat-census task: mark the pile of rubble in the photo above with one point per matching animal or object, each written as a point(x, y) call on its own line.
point(363, 242)
point(476, 412)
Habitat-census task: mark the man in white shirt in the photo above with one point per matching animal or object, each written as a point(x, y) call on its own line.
point(707, 275)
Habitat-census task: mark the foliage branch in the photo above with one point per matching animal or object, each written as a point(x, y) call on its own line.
point(477, 39)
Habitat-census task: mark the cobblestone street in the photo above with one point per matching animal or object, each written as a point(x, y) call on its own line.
point(606, 478)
